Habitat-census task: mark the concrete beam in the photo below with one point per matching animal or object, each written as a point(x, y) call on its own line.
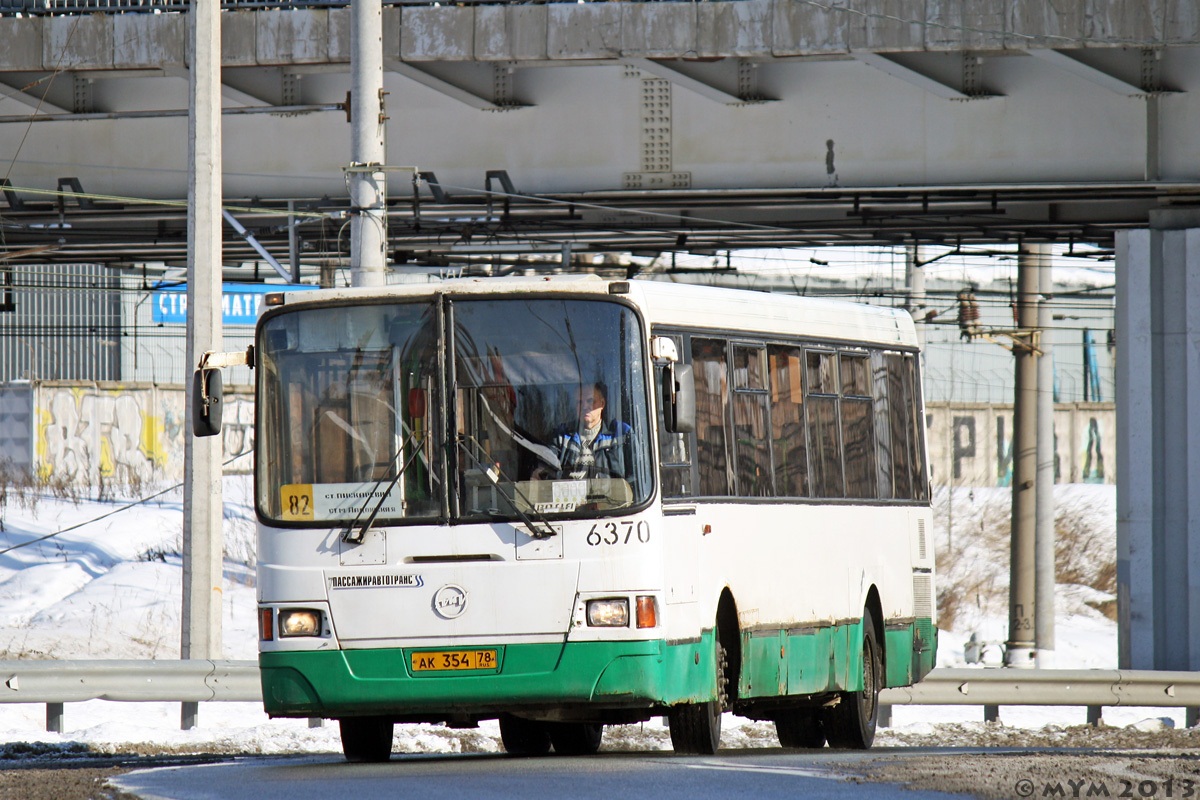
point(230, 93)
point(41, 105)
point(451, 90)
point(556, 32)
point(1076, 67)
point(702, 88)
point(909, 75)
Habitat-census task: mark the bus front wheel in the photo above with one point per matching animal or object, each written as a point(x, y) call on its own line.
point(696, 727)
point(851, 723)
point(367, 739)
point(524, 737)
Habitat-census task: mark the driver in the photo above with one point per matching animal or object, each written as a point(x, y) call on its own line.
point(595, 447)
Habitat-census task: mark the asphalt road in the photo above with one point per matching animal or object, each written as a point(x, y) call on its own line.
point(761, 774)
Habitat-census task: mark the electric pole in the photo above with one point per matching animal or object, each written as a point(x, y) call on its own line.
point(367, 179)
point(202, 497)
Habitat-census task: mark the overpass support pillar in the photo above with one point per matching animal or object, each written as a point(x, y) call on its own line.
point(1158, 447)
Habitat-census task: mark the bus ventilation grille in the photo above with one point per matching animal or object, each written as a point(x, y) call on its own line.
point(922, 596)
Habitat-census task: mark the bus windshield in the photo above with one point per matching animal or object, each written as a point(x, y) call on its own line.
point(542, 410)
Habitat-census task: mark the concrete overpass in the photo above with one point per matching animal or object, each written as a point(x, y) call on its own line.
point(674, 126)
point(622, 125)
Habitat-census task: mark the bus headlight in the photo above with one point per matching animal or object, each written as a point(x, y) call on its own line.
point(610, 612)
point(299, 622)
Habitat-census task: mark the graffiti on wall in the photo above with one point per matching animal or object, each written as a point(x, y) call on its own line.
point(972, 444)
point(124, 434)
point(88, 436)
point(1093, 462)
point(95, 434)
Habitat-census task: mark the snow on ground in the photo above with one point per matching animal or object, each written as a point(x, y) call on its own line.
point(110, 588)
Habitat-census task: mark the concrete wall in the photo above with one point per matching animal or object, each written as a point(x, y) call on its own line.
point(132, 433)
point(122, 434)
point(970, 444)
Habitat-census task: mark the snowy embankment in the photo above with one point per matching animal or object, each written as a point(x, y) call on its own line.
point(110, 588)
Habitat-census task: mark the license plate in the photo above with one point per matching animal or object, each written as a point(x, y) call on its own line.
point(451, 660)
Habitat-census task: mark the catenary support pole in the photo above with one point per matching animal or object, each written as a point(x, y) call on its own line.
point(914, 281)
point(1019, 649)
point(365, 175)
point(202, 511)
point(1044, 531)
point(293, 243)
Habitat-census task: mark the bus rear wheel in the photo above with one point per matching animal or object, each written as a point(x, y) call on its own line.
point(575, 738)
point(851, 723)
point(367, 739)
point(524, 737)
point(696, 727)
point(800, 729)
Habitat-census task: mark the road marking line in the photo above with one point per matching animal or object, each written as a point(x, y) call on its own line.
point(799, 772)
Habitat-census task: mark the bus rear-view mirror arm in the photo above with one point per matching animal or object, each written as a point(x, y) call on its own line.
point(208, 389)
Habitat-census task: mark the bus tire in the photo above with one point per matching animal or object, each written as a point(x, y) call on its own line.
point(696, 727)
point(367, 739)
point(800, 729)
point(575, 738)
point(524, 737)
point(851, 723)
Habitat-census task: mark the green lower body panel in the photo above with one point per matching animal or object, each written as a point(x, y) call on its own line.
point(817, 660)
point(801, 662)
point(610, 675)
point(618, 675)
point(911, 651)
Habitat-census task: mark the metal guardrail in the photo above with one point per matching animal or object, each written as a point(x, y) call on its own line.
point(195, 681)
point(1050, 687)
point(1093, 688)
point(191, 681)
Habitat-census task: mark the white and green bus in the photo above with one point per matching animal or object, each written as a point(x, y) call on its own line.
point(566, 503)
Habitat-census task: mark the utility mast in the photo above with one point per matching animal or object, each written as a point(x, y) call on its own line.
point(366, 176)
point(203, 545)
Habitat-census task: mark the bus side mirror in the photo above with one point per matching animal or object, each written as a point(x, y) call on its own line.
point(679, 398)
point(207, 394)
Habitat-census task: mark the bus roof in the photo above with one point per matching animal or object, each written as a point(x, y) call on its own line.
point(767, 313)
point(677, 305)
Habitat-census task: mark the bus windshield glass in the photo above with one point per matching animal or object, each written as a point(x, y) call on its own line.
point(344, 408)
point(551, 407)
point(546, 411)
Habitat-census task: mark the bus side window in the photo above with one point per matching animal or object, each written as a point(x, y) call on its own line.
point(675, 460)
point(751, 422)
point(916, 428)
point(900, 413)
point(858, 440)
point(824, 434)
point(885, 463)
point(711, 373)
point(789, 443)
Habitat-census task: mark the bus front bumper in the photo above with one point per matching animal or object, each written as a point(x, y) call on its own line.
point(383, 682)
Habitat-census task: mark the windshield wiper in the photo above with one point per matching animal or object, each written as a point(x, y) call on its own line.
point(538, 528)
point(353, 534)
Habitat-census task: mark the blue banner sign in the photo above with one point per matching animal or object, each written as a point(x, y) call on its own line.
point(240, 302)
